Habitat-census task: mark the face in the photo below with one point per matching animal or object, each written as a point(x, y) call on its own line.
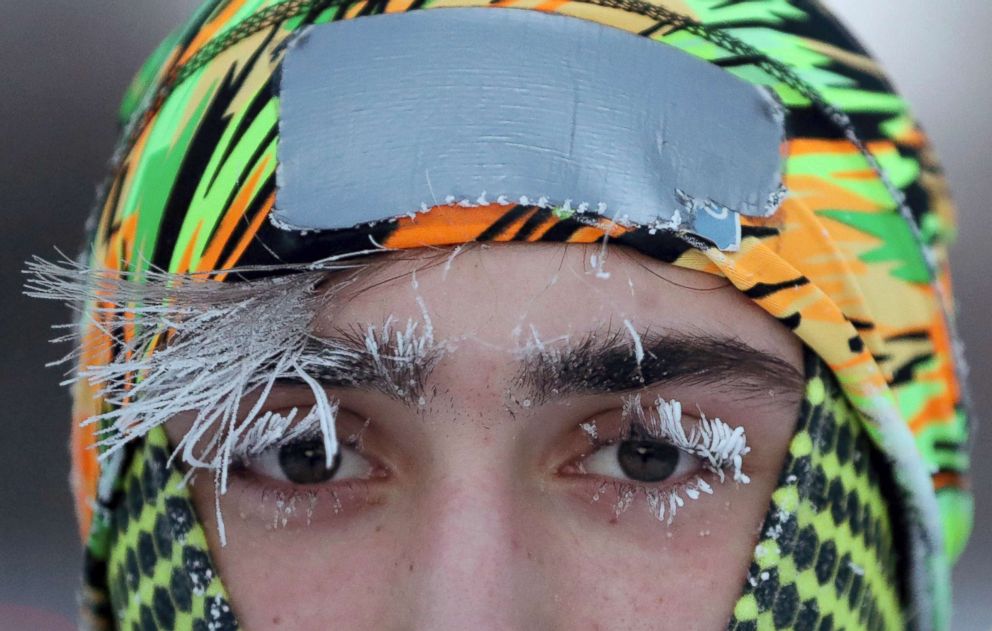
point(523, 466)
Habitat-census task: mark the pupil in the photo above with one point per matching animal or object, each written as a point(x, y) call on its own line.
point(304, 462)
point(647, 460)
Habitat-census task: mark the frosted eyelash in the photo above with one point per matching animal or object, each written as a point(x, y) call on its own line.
point(224, 342)
point(721, 448)
point(272, 430)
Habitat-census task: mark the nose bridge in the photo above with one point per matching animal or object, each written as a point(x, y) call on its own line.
point(476, 516)
point(467, 544)
point(468, 567)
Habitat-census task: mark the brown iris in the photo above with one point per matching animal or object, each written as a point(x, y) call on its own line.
point(647, 460)
point(305, 462)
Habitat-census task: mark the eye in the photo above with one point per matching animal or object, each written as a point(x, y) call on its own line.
point(641, 459)
point(305, 462)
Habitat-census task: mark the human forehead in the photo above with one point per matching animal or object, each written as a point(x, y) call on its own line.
point(507, 294)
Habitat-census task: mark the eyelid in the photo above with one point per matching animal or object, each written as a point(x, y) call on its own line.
point(266, 465)
point(259, 456)
point(717, 447)
point(605, 458)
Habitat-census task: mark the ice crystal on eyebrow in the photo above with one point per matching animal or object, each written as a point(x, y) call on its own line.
point(636, 338)
point(181, 343)
point(400, 354)
point(535, 346)
point(394, 360)
point(604, 360)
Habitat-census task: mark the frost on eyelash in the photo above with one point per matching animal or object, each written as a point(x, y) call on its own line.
point(591, 430)
point(272, 429)
point(286, 506)
point(409, 346)
point(720, 447)
point(182, 343)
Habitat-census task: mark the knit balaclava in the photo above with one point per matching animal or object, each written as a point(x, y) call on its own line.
point(824, 205)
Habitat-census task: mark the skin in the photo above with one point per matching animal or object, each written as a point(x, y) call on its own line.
point(476, 509)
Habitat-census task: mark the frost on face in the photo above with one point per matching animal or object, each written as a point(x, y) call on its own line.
point(591, 430)
point(720, 448)
point(288, 506)
point(181, 344)
point(636, 339)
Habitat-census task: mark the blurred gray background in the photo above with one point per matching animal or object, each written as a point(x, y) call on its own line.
point(65, 64)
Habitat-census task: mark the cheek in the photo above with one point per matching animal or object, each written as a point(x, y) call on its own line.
point(563, 555)
point(289, 575)
point(590, 568)
point(634, 569)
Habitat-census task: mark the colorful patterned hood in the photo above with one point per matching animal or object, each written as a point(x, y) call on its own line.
point(850, 252)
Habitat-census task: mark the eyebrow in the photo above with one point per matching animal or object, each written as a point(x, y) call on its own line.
point(600, 362)
point(395, 362)
point(605, 362)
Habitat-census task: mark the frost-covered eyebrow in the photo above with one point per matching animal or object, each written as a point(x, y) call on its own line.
point(399, 364)
point(395, 362)
point(610, 362)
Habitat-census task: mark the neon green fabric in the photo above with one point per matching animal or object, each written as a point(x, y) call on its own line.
point(854, 261)
point(159, 571)
point(827, 557)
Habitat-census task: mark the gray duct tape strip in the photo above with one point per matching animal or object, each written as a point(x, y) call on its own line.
point(385, 115)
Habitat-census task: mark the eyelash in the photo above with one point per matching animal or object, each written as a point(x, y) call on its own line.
point(278, 502)
point(273, 431)
point(719, 448)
